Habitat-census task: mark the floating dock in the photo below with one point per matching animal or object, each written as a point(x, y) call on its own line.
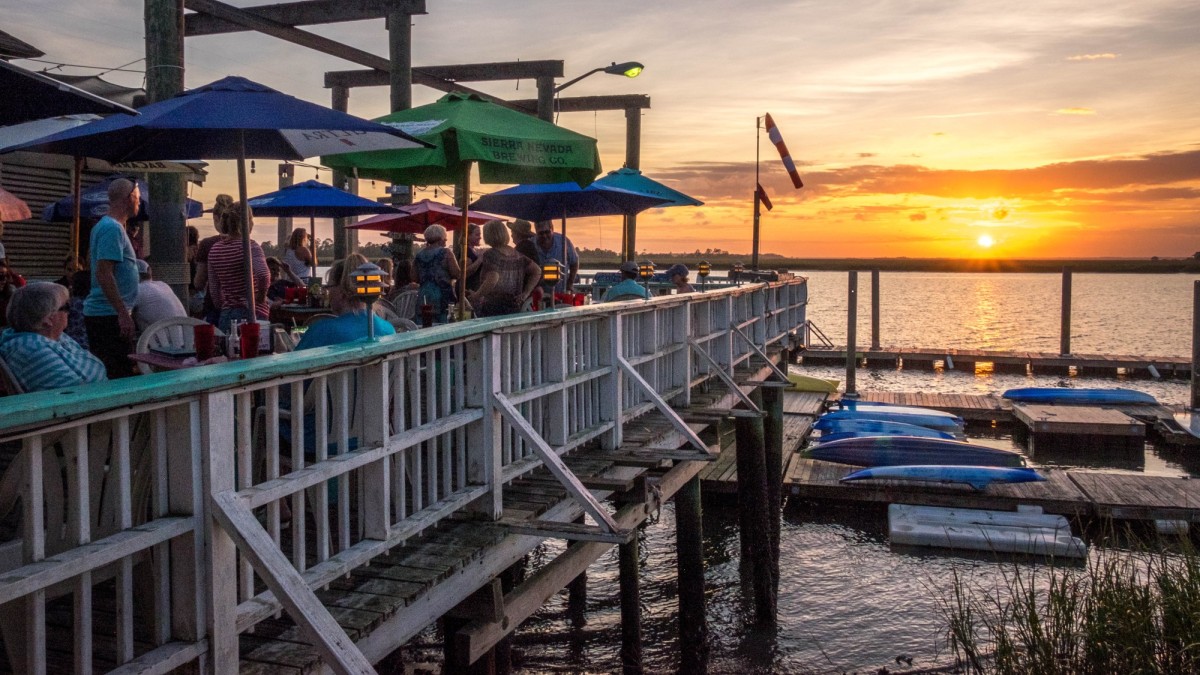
point(1081, 493)
point(1008, 361)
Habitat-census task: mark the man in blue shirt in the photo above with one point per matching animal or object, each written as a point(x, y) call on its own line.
point(108, 309)
point(628, 288)
point(554, 246)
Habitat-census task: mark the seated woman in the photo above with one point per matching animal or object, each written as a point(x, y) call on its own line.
point(351, 321)
point(507, 277)
point(37, 352)
point(282, 279)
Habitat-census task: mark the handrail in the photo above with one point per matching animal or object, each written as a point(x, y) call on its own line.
point(370, 443)
point(811, 329)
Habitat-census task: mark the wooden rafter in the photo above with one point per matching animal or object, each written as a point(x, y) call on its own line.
point(305, 13)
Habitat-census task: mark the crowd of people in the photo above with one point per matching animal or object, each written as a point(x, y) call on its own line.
point(83, 327)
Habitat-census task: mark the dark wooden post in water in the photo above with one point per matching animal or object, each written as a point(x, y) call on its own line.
point(874, 309)
point(851, 335)
point(577, 595)
point(754, 520)
point(631, 611)
point(693, 624)
point(1195, 344)
point(1065, 330)
point(287, 176)
point(773, 437)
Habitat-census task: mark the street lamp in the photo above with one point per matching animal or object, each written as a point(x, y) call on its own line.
point(628, 69)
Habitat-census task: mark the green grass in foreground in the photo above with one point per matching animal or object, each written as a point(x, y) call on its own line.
point(1124, 612)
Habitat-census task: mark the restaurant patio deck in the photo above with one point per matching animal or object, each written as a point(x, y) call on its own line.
point(313, 511)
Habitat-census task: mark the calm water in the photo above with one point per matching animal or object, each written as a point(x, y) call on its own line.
point(848, 601)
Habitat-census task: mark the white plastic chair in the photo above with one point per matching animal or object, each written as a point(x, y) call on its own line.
point(175, 332)
point(405, 304)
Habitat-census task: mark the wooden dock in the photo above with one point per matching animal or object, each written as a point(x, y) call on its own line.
point(1081, 493)
point(1008, 361)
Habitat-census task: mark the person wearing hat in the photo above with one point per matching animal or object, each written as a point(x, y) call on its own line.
point(628, 288)
point(156, 301)
point(678, 275)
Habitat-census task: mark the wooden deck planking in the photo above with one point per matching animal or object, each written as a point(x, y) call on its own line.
point(1134, 496)
point(803, 402)
point(1077, 419)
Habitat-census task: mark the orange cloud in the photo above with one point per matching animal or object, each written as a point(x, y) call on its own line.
point(1092, 57)
point(1074, 111)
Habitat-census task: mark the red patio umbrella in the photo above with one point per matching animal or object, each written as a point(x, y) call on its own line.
point(416, 217)
point(12, 208)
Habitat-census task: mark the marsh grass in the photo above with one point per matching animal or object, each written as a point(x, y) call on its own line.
point(1125, 611)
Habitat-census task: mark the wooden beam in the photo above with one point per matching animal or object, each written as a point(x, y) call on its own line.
point(591, 103)
point(325, 45)
point(467, 72)
point(568, 531)
point(306, 13)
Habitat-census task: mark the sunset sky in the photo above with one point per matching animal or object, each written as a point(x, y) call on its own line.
point(922, 129)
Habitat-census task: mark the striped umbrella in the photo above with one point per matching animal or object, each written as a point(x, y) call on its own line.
point(12, 208)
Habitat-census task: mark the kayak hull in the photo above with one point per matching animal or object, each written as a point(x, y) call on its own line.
point(942, 421)
point(978, 477)
point(1114, 396)
point(880, 451)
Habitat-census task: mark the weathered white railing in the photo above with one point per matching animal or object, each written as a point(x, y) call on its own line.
point(171, 512)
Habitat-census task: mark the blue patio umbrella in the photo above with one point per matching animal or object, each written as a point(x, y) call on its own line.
point(565, 200)
point(93, 203)
point(632, 179)
point(312, 198)
point(232, 118)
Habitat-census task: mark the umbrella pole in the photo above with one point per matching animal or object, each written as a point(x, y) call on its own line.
point(247, 264)
point(312, 242)
point(466, 231)
point(565, 264)
point(76, 189)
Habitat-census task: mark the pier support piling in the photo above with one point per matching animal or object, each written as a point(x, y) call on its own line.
point(875, 309)
point(577, 595)
point(1065, 329)
point(852, 335)
point(1195, 344)
point(693, 624)
point(754, 521)
point(631, 611)
point(773, 437)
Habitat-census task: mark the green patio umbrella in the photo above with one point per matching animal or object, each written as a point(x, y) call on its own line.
point(509, 147)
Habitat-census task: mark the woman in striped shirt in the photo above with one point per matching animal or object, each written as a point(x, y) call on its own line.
point(226, 274)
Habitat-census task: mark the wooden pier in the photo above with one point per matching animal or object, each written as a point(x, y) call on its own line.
point(1026, 362)
point(1081, 493)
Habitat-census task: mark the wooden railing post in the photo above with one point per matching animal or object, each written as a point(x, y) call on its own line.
point(555, 368)
point(612, 404)
point(484, 442)
point(217, 459)
point(375, 399)
point(683, 358)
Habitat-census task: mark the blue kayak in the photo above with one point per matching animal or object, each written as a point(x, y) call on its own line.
point(1115, 396)
point(978, 477)
point(902, 450)
point(922, 417)
point(834, 429)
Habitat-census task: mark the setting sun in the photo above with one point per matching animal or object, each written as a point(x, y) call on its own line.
point(985, 241)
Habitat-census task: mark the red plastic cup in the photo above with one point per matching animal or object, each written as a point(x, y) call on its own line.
point(289, 295)
point(426, 315)
point(248, 334)
point(577, 300)
point(301, 294)
point(205, 338)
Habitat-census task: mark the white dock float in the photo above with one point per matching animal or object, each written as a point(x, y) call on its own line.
point(1026, 531)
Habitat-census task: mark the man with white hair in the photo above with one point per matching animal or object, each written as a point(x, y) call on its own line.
point(108, 309)
point(156, 301)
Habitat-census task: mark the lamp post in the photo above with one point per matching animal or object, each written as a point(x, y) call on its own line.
point(702, 271)
point(368, 286)
point(552, 272)
point(628, 69)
